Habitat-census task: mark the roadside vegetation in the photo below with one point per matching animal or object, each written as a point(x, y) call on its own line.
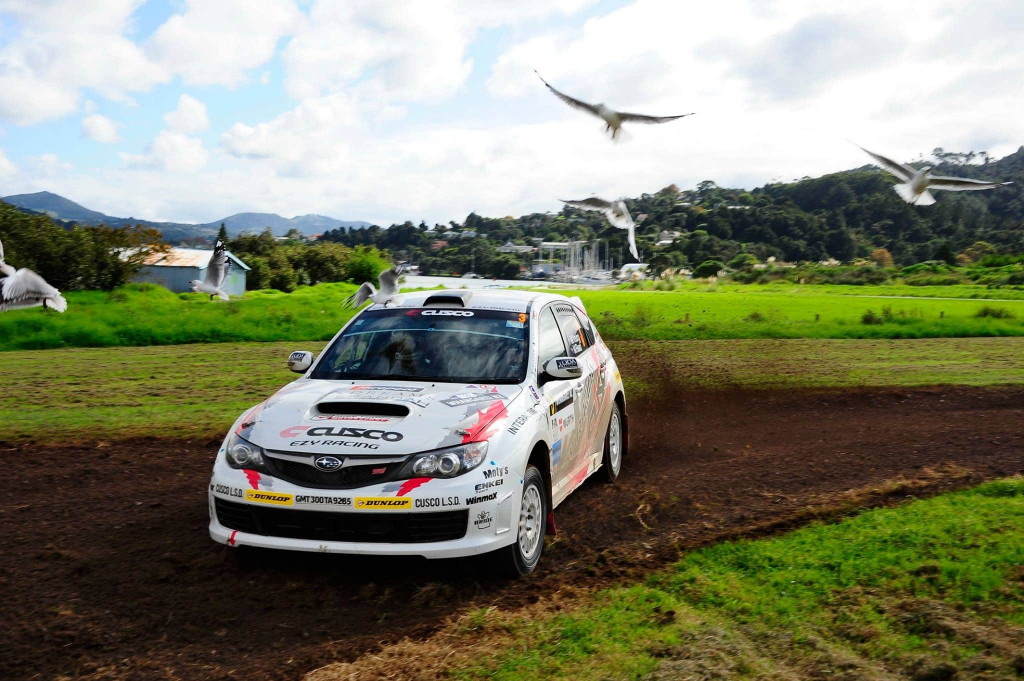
point(928, 590)
point(196, 391)
point(146, 314)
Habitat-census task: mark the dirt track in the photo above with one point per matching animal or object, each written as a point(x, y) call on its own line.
point(107, 570)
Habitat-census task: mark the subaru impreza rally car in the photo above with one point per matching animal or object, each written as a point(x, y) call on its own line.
point(443, 424)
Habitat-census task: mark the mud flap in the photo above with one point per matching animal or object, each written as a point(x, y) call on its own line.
point(551, 529)
point(504, 515)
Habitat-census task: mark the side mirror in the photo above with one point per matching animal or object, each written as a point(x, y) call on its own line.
point(299, 361)
point(563, 367)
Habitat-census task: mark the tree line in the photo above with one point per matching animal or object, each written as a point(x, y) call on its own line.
point(78, 257)
point(841, 216)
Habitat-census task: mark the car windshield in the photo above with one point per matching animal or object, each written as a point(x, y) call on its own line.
point(430, 344)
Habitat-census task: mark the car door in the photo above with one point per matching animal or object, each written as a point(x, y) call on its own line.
point(594, 408)
point(575, 411)
point(557, 398)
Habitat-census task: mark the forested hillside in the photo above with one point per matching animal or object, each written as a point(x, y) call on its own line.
point(78, 257)
point(843, 216)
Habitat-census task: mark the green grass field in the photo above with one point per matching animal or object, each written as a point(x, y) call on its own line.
point(970, 291)
point(198, 390)
point(928, 590)
point(793, 312)
point(140, 315)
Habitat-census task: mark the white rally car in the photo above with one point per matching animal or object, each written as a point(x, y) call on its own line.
point(447, 423)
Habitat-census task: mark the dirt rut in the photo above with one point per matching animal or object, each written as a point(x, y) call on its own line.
point(107, 570)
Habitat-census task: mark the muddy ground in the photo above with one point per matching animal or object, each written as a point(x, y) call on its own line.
point(107, 570)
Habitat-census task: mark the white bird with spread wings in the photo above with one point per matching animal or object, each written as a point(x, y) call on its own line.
point(615, 212)
point(25, 288)
point(613, 120)
point(388, 280)
point(216, 273)
point(915, 184)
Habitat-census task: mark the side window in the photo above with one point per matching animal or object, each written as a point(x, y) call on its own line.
point(575, 337)
point(588, 328)
point(550, 338)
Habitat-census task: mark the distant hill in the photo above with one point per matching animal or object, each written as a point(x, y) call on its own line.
point(65, 210)
point(56, 206)
point(307, 224)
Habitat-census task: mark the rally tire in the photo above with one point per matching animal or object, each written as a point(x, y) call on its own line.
point(522, 556)
point(614, 446)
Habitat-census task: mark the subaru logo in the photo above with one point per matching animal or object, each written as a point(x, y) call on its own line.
point(327, 463)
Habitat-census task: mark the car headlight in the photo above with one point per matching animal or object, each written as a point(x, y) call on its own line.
point(240, 453)
point(445, 463)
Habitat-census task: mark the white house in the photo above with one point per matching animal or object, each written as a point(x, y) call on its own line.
point(178, 266)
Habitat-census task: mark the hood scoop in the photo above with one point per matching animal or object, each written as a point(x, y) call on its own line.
point(363, 409)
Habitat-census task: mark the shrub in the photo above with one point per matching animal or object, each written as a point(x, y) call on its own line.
point(708, 268)
point(994, 312)
point(642, 316)
point(870, 317)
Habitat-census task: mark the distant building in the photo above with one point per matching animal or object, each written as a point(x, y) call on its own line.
point(633, 271)
point(178, 266)
point(667, 236)
point(510, 247)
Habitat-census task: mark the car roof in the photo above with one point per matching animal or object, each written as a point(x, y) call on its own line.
point(480, 299)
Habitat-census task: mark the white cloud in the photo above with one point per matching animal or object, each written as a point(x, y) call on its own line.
point(189, 118)
point(814, 52)
point(216, 43)
point(312, 134)
point(64, 46)
point(404, 50)
point(7, 168)
point(100, 129)
point(48, 165)
point(170, 151)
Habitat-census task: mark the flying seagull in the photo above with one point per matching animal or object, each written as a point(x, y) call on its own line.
point(613, 120)
point(25, 288)
point(914, 184)
point(388, 280)
point(616, 213)
point(216, 272)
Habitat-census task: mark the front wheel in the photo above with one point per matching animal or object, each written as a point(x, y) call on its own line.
point(522, 557)
point(614, 439)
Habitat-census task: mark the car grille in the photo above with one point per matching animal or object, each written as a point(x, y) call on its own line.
point(390, 527)
point(344, 478)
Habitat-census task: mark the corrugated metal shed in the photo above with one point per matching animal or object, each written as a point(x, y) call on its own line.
point(178, 266)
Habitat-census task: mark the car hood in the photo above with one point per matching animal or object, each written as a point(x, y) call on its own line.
point(376, 417)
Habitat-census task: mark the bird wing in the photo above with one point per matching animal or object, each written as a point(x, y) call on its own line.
point(618, 216)
point(5, 269)
point(632, 244)
point(571, 101)
point(24, 285)
point(900, 170)
point(217, 269)
point(593, 203)
point(961, 184)
point(643, 118)
point(361, 295)
point(388, 280)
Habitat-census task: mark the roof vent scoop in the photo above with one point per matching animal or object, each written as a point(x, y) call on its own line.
point(460, 299)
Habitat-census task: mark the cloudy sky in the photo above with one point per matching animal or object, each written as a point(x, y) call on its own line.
point(387, 110)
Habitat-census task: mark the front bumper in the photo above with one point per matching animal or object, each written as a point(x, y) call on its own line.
point(435, 519)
